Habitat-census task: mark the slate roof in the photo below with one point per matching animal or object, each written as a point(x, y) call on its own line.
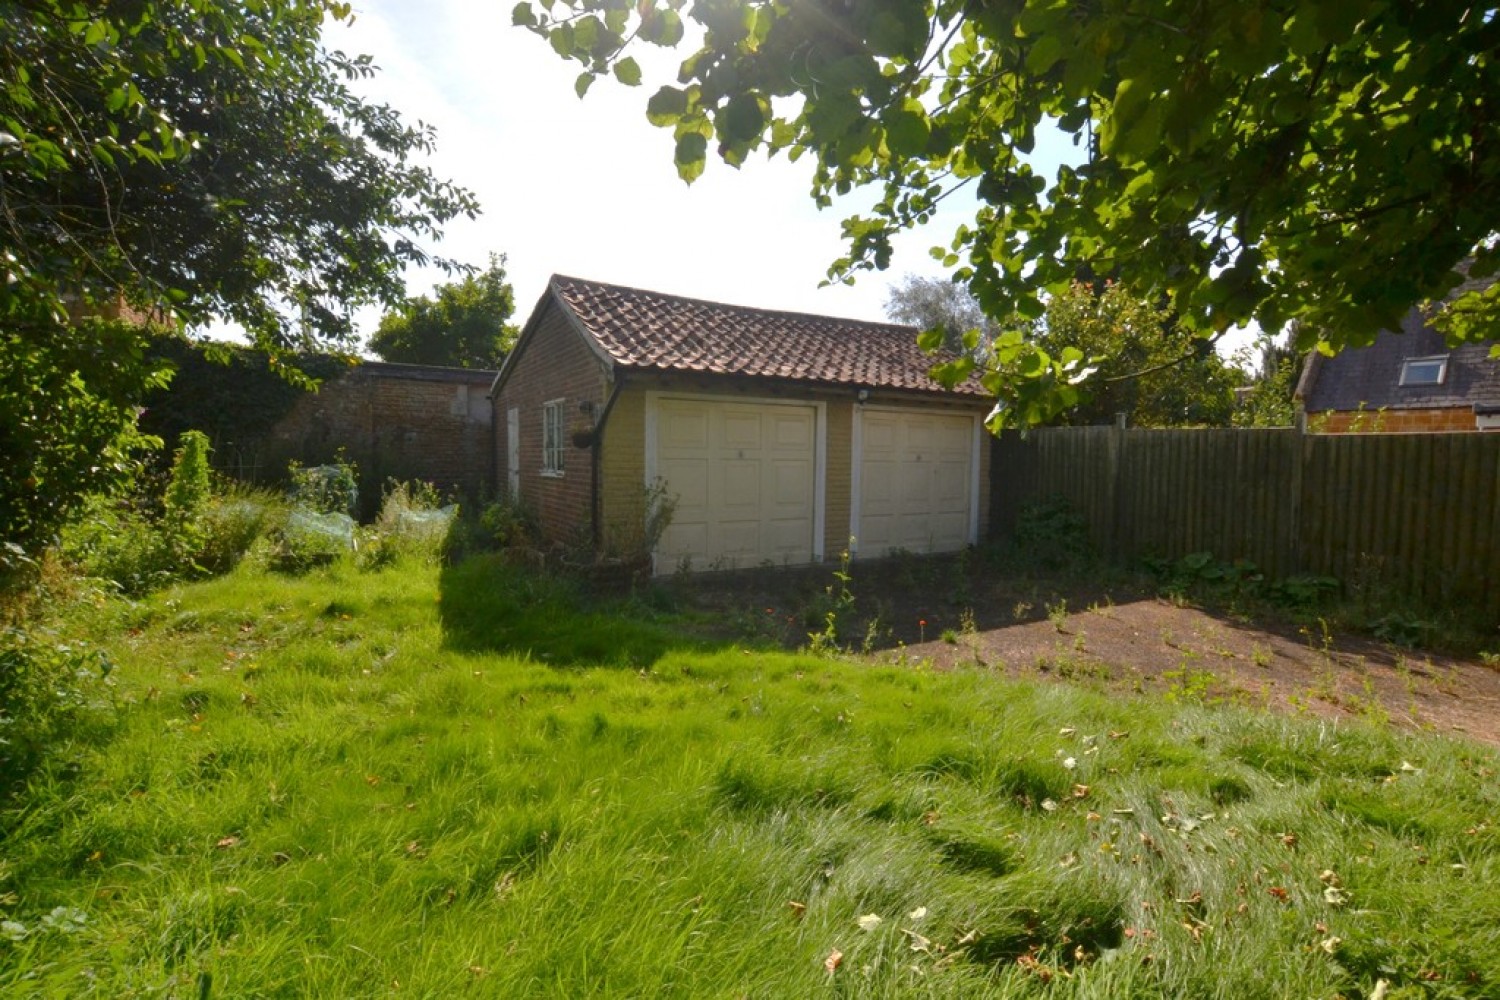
point(1370, 376)
point(653, 331)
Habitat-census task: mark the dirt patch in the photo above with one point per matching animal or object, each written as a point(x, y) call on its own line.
point(1116, 634)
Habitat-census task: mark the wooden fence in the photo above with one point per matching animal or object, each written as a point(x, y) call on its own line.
point(1419, 513)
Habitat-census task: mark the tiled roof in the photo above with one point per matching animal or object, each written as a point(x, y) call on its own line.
point(1369, 377)
point(653, 331)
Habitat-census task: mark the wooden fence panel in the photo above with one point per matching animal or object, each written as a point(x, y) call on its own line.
point(1416, 513)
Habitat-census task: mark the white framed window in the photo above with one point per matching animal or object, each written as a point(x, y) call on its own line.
point(1424, 371)
point(552, 437)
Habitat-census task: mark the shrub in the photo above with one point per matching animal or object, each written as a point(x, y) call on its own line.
point(232, 521)
point(413, 522)
point(189, 488)
point(45, 687)
point(309, 538)
point(1052, 535)
point(120, 541)
point(329, 489)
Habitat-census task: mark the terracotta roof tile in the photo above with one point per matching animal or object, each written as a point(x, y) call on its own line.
point(655, 331)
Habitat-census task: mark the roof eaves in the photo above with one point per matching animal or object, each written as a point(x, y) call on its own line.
point(549, 297)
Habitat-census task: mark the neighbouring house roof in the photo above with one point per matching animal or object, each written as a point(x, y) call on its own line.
point(638, 330)
point(1370, 377)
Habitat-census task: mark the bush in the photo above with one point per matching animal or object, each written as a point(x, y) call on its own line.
point(413, 522)
point(233, 520)
point(120, 541)
point(1052, 535)
point(189, 488)
point(45, 687)
point(309, 538)
point(328, 489)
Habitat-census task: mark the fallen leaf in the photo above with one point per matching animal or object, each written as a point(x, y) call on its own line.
point(1279, 893)
point(917, 914)
point(833, 961)
point(1382, 987)
point(797, 908)
point(1049, 805)
point(1066, 731)
point(870, 921)
point(227, 842)
point(1080, 791)
point(1331, 944)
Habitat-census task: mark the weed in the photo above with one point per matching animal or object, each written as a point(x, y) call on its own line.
point(1057, 614)
point(839, 605)
point(950, 636)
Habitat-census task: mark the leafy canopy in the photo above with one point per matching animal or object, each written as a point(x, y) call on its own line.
point(209, 156)
point(1147, 366)
point(195, 161)
point(937, 303)
point(463, 325)
point(1260, 161)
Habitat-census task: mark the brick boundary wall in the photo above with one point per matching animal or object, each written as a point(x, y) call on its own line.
point(1393, 421)
point(394, 422)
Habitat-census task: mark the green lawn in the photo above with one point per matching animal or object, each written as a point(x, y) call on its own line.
point(472, 782)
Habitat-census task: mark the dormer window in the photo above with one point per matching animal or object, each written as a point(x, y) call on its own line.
point(1424, 371)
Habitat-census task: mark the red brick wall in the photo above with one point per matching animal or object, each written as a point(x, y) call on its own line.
point(555, 363)
point(1391, 421)
point(393, 421)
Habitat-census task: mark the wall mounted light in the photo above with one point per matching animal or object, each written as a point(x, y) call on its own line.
point(863, 395)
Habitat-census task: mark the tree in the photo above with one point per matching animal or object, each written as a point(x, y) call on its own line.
point(192, 162)
point(1261, 161)
point(1270, 400)
point(937, 303)
point(1148, 367)
point(463, 325)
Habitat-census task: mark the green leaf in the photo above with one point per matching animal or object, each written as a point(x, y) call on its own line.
point(1044, 54)
point(628, 72)
point(522, 16)
point(583, 83)
point(931, 339)
point(907, 131)
point(742, 119)
point(690, 154)
point(666, 106)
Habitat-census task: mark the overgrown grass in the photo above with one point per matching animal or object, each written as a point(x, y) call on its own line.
point(475, 782)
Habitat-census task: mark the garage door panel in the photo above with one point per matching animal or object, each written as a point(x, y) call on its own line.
point(791, 485)
point(878, 482)
point(741, 481)
point(684, 426)
point(951, 484)
point(682, 539)
point(745, 478)
point(916, 481)
point(689, 484)
point(742, 428)
point(794, 431)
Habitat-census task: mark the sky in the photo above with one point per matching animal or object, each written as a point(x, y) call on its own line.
point(588, 188)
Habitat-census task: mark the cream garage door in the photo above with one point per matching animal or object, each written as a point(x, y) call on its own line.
point(916, 481)
point(744, 478)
